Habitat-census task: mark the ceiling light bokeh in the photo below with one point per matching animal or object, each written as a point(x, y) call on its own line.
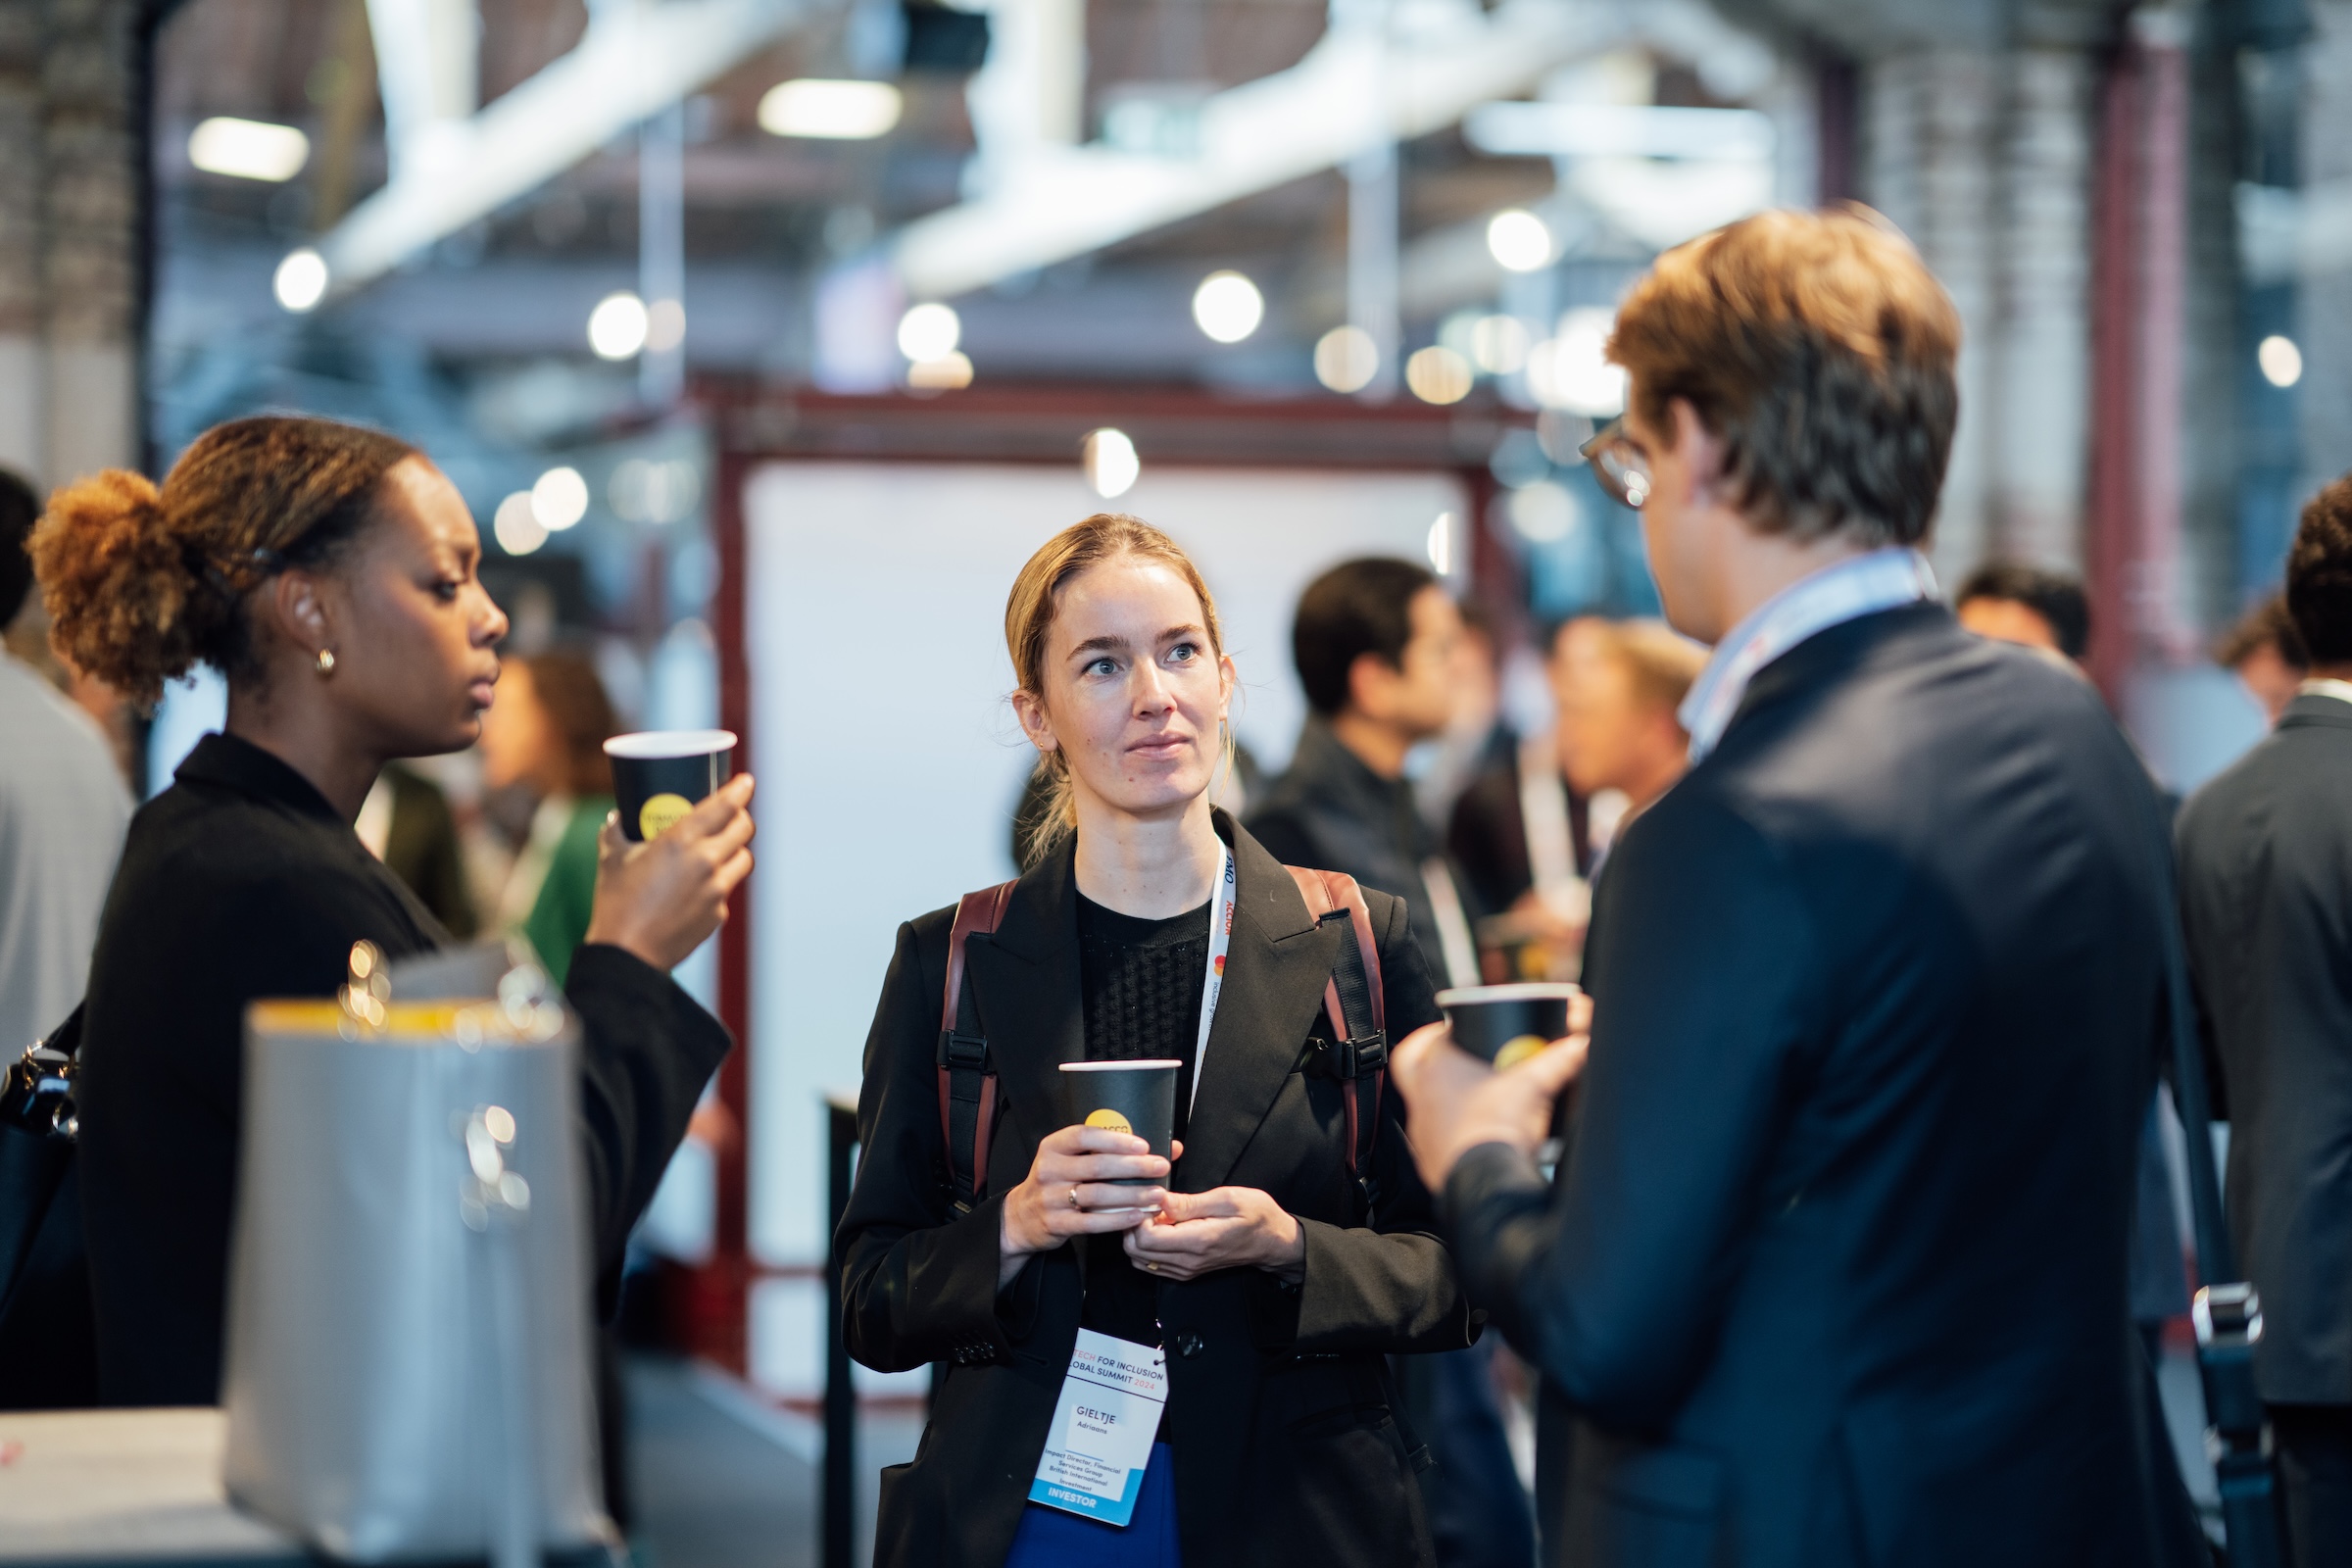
point(1346, 358)
point(1440, 545)
point(1438, 374)
point(1228, 307)
point(248, 149)
point(2282, 361)
point(560, 499)
point(1498, 345)
point(1572, 370)
point(929, 331)
point(949, 372)
point(829, 109)
point(300, 282)
point(617, 326)
point(665, 325)
point(1519, 240)
point(1542, 513)
point(517, 530)
point(1112, 464)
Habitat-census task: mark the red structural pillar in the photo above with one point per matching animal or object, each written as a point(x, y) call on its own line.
point(2138, 326)
point(712, 1307)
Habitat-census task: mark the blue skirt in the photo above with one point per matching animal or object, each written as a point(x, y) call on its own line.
point(1048, 1538)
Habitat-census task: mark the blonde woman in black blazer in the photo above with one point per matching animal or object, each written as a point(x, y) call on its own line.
point(1275, 1296)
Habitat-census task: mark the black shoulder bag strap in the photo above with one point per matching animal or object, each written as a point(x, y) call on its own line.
point(2226, 1312)
point(1359, 1011)
point(967, 1080)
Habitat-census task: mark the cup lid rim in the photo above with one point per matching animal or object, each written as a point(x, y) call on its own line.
point(661, 745)
point(1120, 1067)
point(1515, 990)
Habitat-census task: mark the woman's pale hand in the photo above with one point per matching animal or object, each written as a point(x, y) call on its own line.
point(1225, 1227)
point(1064, 1193)
point(661, 900)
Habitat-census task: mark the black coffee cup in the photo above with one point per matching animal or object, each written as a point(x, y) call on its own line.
point(1126, 1097)
point(659, 775)
point(1507, 1024)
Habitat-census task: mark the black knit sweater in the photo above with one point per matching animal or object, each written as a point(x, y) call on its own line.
point(1141, 983)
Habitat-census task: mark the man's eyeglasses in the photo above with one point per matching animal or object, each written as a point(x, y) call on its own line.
point(1618, 463)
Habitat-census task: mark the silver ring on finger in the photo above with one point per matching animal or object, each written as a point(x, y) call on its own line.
point(1074, 1204)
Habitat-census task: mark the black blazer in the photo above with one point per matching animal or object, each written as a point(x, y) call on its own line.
point(2265, 894)
point(241, 881)
point(1834, 1273)
point(1279, 1410)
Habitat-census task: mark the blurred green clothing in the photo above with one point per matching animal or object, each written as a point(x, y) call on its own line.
point(558, 922)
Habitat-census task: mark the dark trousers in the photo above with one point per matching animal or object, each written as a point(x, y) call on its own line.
point(2315, 1468)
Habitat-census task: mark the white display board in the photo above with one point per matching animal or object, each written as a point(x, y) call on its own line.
point(889, 761)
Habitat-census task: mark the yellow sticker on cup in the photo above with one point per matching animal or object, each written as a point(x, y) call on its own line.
point(1517, 1050)
point(1107, 1118)
point(662, 814)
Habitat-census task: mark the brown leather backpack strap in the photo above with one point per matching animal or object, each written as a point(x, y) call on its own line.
point(967, 1081)
point(1357, 1005)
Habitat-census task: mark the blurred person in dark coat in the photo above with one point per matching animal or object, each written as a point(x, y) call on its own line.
point(1817, 1285)
point(2266, 893)
point(2049, 611)
point(1377, 644)
point(2265, 652)
point(327, 571)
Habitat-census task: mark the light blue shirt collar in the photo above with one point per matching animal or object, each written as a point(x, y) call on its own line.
point(1857, 586)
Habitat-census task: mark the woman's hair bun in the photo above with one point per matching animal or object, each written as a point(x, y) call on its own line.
point(126, 600)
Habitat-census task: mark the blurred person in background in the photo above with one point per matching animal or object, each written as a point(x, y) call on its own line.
point(1532, 831)
point(405, 822)
point(546, 734)
point(1816, 1282)
point(1478, 737)
point(2050, 612)
point(328, 571)
point(64, 810)
point(2266, 897)
point(2265, 652)
point(1274, 1284)
point(2027, 605)
point(1377, 643)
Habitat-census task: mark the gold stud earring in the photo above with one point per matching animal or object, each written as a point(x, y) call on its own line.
point(326, 663)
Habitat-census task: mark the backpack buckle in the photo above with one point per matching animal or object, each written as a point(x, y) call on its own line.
point(960, 1053)
point(1352, 1060)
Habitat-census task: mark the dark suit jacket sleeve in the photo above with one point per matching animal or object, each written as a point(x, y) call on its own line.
point(1706, 988)
point(647, 1049)
point(917, 1285)
point(1390, 1286)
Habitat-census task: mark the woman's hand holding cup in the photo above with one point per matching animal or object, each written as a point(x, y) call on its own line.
point(661, 898)
point(1067, 1192)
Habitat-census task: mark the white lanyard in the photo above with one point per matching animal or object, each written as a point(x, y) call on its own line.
point(1220, 937)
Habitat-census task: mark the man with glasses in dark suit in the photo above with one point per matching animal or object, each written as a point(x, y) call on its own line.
point(1833, 1270)
point(2266, 896)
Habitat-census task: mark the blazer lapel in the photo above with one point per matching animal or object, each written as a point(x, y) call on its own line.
point(1025, 981)
point(1275, 970)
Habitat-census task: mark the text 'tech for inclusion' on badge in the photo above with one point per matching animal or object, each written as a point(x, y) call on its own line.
point(1102, 1429)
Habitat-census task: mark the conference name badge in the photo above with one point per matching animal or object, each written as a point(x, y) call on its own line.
point(1103, 1424)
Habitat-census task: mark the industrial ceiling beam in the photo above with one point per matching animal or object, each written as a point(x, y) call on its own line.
point(1360, 88)
point(638, 56)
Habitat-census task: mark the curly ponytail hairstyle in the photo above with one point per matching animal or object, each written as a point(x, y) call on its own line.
point(1029, 612)
point(143, 584)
